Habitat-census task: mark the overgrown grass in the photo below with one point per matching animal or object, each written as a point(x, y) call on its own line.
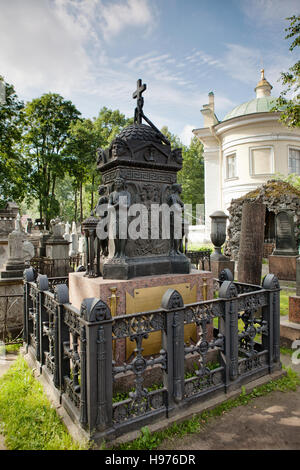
point(27, 419)
point(13, 348)
point(286, 351)
point(148, 440)
point(284, 301)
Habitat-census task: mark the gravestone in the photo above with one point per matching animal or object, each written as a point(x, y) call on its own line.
point(285, 241)
point(15, 265)
point(251, 243)
point(57, 249)
point(282, 262)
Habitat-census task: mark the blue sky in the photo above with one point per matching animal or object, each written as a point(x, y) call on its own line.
point(93, 52)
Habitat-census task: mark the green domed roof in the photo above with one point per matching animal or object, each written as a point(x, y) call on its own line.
point(258, 105)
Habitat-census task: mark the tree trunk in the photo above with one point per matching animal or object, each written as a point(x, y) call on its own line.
point(251, 242)
point(92, 195)
point(75, 205)
point(81, 208)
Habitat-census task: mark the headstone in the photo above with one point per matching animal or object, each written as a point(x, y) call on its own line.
point(57, 249)
point(67, 235)
point(29, 225)
point(28, 249)
point(251, 243)
point(285, 241)
point(74, 241)
point(15, 265)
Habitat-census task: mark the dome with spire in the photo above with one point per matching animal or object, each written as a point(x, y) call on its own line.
point(263, 103)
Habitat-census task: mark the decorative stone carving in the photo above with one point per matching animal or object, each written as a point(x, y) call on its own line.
point(141, 165)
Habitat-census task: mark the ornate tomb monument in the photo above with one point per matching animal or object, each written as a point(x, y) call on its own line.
point(139, 167)
point(131, 273)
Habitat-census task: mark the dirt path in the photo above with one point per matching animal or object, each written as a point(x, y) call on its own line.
point(270, 422)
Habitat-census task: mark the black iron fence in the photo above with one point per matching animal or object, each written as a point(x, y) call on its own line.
point(76, 351)
point(54, 267)
point(201, 259)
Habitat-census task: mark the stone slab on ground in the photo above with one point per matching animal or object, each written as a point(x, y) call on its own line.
point(289, 331)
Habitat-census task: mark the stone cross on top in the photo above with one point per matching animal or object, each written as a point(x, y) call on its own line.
point(138, 113)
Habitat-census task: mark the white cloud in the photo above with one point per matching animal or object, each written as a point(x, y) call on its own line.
point(57, 45)
point(42, 46)
point(117, 16)
point(270, 11)
point(187, 134)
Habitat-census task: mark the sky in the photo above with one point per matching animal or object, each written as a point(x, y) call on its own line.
point(94, 51)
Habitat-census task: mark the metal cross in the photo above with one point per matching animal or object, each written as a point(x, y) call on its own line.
point(140, 101)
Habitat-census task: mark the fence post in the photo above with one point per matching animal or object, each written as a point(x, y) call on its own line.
point(271, 314)
point(229, 329)
point(173, 343)
point(29, 276)
point(43, 285)
point(96, 386)
point(62, 363)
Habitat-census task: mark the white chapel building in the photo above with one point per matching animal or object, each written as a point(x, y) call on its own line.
point(244, 150)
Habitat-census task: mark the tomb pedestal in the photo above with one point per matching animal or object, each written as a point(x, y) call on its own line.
point(284, 267)
point(141, 294)
point(218, 265)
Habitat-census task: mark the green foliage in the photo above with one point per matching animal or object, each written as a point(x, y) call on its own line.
point(45, 133)
point(13, 167)
point(290, 115)
point(86, 136)
point(148, 440)
point(28, 420)
point(191, 176)
point(284, 302)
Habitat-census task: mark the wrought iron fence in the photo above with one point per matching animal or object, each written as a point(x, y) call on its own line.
point(10, 334)
point(51, 267)
point(77, 351)
point(201, 259)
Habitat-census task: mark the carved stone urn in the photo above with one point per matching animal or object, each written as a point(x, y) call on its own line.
point(218, 234)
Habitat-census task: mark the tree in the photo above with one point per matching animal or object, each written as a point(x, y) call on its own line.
point(45, 133)
point(191, 176)
point(13, 167)
point(86, 137)
point(290, 108)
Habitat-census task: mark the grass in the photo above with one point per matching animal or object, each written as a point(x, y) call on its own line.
point(284, 302)
point(149, 441)
point(286, 351)
point(13, 348)
point(27, 419)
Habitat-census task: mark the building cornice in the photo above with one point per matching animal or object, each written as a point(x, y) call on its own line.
point(260, 138)
point(244, 120)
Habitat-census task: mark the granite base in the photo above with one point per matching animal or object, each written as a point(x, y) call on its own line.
point(289, 332)
point(129, 268)
point(284, 267)
point(218, 266)
point(141, 294)
point(294, 309)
